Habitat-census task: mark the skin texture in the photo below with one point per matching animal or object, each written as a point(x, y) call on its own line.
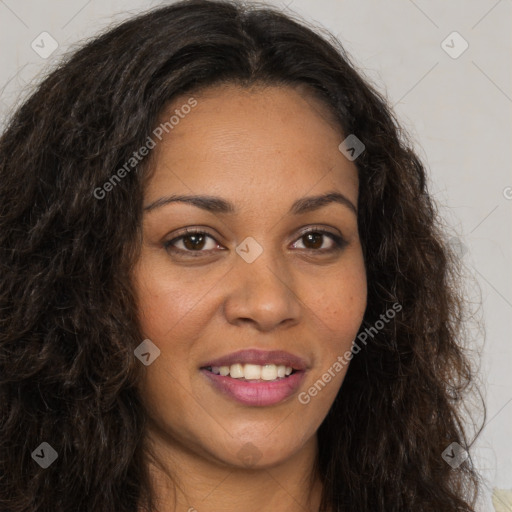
point(261, 149)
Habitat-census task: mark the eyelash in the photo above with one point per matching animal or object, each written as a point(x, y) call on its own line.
point(339, 242)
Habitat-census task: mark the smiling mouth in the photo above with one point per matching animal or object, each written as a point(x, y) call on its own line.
point(253, 372)
point(255, 385)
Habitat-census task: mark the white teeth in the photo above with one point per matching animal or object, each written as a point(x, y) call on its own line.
point(253, 371)
point(269, 372)
point(236, 371)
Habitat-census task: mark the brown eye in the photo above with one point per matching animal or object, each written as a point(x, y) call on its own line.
point(314, 239)
point(193, 241)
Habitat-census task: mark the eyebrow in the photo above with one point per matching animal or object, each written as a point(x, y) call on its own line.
point(215, 204)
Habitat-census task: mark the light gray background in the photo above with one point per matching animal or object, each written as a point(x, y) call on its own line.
point(457, 110)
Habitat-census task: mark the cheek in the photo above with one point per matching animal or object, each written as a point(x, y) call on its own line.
point(340, 302)
point(338, 313)
point(338, 307)
point(164, 302)
point(169, 311)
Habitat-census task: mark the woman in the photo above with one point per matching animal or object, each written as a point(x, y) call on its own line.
point(224, 283)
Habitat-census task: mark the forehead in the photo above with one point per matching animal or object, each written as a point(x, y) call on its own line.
point(250, 139)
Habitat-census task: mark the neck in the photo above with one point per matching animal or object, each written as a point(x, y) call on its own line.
point(188, 481)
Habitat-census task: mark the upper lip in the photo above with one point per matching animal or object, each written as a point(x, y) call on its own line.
point(260, 357)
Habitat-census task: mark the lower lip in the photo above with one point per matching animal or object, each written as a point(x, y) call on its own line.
point(260, 393)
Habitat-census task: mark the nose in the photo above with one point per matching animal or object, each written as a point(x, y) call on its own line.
point(261, 293)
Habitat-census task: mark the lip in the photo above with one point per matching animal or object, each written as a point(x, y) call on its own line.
point(260, 357)
point(259, 394)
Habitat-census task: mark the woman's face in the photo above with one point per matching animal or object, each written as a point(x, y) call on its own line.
point(254, 280)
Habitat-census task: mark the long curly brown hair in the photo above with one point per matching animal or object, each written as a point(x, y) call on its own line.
point(68, 319)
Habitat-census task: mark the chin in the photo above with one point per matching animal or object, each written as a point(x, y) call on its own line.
point(258, 453)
